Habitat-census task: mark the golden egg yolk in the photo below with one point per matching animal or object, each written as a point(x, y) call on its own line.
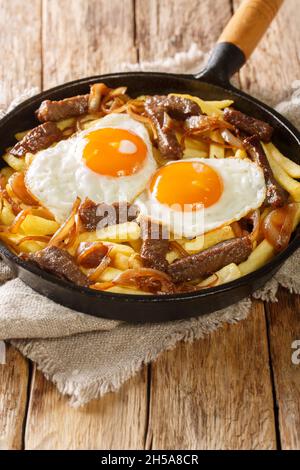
point(187, 184)
point(114, 152)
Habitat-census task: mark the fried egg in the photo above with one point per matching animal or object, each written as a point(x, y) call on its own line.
point(194, 196)
point(111, 161)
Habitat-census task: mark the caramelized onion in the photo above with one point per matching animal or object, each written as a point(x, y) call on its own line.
point(102, 285)
point(277, 226)
point(17, 184)
point(90, 254)
point(105, 262)
point(231, 139)
point(97, 91)
point(34, 238)
point(63, 233)
point(174, 245)
point(146, 279)
point(237, 230)
point(18, 220)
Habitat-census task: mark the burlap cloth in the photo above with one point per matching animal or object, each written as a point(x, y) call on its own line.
point(86, 357)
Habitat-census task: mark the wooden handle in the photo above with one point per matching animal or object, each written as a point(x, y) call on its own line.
point(249, 23)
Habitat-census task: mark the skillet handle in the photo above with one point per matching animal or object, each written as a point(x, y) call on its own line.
point(239, 39)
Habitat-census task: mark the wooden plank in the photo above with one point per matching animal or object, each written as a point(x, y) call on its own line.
point(270, 73)
point(164, 28)
point(85, 37)
point(271, 70)
point(117, 421)
point(13, 399)
point(20, 52)
point(215, 393)
point(21, 66)
point(82, 38)
point(284, 330)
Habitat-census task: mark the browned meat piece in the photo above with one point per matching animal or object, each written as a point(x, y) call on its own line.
point(249, 124)
point(155, 245)
point(276, 195)
point(61, 263)
point(92, 214)
point(39, 138)
point(63, 109)
point(235, 250)
point(159, 109)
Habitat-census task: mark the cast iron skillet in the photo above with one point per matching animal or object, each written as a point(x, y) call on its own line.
point(211, 84)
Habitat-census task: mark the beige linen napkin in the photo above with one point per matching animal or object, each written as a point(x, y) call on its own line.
point(87, 356)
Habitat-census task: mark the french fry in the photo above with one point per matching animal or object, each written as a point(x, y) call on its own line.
point(17, 164)
point(215, 151)
point(290, 167)
point(27, 246)
point(126, 290)
point(120, 232)
point(35, 225)
point(6, 172)
point(211, 108)
point(120, 248)
point(64, 123)
point(209, 239)
point(194, 153)
point(6, 216)
point(289, 184)
point(241, 153)
point(120, 261)
point(226, 274)
point(260, 256)
point(109, 274)
point(172, 256)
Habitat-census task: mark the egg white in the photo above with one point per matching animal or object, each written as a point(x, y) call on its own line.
point(244, 190)
point(58, 174)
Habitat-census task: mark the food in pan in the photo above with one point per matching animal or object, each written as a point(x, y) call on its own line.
point(148, 195)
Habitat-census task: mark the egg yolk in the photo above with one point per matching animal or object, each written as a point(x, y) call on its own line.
point(187, 184)
point(114, 152)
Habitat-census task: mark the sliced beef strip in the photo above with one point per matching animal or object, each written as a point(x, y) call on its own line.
point(159, 109)
point(63, 109)
point(39, 138)
point(92, 214)
point(248, 124)
point(61, 263)
point(276, 195)
point(235, 250)
point(155, 245)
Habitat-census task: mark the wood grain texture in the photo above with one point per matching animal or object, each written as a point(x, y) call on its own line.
point(20, 51)
point(165, 27)
point(215, 393)
point(85, 37)
point(274, 65)
point(284, 330)
point(117, 421)
point(13, 399)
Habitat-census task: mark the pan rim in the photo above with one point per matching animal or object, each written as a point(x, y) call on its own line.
point(272, 265)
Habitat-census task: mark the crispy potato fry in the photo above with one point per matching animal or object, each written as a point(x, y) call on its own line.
point(6, 172)
point(6, 215)
point(109, 274)
point(289, 184)
point(226, 274)
point(241, 153)
point(64, 123)
point(215, 151)
point(172, 256)
point(209, 239)
point(290, 167)
point(27, 246)
point(120, 261)
point(260, 256)
point(193, 153)
point(126, 290)
point(35, 225)
point(17, 164)
point(211, 108)
point(120, 233)
point(21, 135)
point(29, 157)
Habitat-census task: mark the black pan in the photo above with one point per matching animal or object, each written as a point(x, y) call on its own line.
point(211, 84)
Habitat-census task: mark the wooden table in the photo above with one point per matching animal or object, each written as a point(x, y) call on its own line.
point(236, 389)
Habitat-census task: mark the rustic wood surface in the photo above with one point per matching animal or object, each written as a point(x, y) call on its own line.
point(237, 388)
